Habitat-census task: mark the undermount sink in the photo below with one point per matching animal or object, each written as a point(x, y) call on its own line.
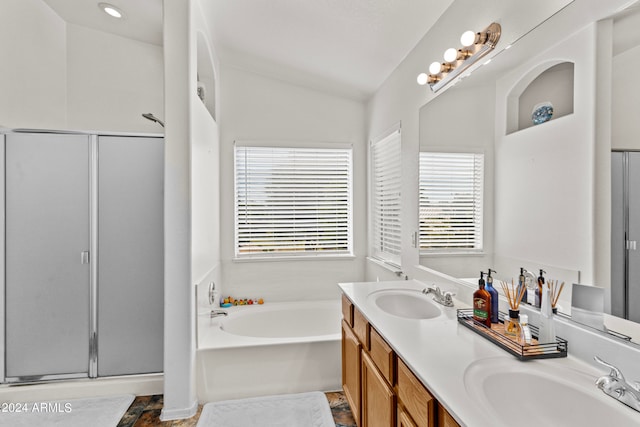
point(546, 396)
point(407, 303)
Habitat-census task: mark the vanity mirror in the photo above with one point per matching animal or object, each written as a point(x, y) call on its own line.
point(547, 194)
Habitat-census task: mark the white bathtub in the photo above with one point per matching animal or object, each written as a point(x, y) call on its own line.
point(275, 348)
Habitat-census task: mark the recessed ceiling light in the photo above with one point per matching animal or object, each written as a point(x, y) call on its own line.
point(110, 9)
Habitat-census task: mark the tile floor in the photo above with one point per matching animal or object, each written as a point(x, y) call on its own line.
point(145, 412)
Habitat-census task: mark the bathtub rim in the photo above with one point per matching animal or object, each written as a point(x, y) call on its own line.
point(212, 337)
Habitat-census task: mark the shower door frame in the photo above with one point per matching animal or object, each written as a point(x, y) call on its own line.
point(93, 259)
point(91, 368)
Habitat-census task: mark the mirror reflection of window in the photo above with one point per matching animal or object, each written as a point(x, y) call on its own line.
point(451, 200)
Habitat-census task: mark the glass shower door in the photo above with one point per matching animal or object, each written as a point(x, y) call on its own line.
point(47, 258)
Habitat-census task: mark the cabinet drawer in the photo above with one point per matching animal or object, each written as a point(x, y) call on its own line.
point(361, 328)
point(347, 310)
point(382, 355)
point(414, 397)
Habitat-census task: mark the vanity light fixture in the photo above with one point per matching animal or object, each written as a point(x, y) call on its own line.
point(456, 61)
point(110, 9)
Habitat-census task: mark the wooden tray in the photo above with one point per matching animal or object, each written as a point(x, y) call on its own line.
point(496, 335)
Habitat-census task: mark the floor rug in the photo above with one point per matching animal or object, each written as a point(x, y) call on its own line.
point(94, 412)
point(289, 410)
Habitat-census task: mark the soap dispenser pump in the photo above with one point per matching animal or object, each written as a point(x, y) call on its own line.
point(494, 296)
point(521, 284)
point(539, 288)
point(482, 303)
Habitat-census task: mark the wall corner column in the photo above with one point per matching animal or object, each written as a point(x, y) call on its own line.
point(180, 399)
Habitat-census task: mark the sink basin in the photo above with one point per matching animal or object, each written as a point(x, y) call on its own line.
point(546, 396)
point(407, 303)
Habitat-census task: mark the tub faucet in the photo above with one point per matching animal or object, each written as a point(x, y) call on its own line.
point(617, 387)
point(445, 298)
point(217, 313)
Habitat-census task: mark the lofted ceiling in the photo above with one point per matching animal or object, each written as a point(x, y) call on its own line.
point(343, 46)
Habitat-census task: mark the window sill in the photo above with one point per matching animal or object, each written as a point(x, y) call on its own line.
point(394, 268)
point(452, 254)
point(346, 257)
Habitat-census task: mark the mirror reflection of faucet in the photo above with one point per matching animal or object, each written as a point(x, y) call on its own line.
point(530, 282)
point(616, 386)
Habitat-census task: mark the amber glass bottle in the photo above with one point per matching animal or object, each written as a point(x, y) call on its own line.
point(482, 303)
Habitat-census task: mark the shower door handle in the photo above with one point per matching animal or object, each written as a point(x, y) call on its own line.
point(631, 245)
point(84, 257)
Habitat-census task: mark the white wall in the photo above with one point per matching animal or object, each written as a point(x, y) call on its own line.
point(112, 80)
point(454, 123)
point(399, 98)
point(33, 79)
point(191, 199)
point(64, 76)
point(261, 108)
point(626, 92)
point(545, 174)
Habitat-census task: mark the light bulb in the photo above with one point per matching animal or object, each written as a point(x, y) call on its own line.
point(422, 79)
point(468, 38)
point(110, 9)
point(435, 68)
point(450, 55)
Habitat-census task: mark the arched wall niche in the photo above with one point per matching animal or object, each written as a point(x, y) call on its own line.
point(553, 82)
point(206, 75)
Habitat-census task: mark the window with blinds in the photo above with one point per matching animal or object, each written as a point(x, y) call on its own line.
point(385, 198)
point(451, 193)
point(292, 201)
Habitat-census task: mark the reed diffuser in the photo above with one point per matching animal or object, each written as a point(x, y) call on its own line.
point(555, 293)
point(514, 296)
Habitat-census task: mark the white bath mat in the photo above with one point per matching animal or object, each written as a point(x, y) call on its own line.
point(94, 412)
point(289, 410)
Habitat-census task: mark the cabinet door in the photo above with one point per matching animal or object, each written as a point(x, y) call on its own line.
point(445, 419)
point(378, 399)
point(131, 255)
point(351, 351)
point(404, 420)
point(47, 276)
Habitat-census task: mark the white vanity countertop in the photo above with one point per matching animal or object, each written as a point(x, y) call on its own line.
point(440, 351)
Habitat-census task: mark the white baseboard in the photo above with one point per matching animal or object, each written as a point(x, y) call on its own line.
point(179, 413)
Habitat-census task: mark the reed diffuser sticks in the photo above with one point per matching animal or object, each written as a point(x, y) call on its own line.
point(514, 296)
point(555, 291)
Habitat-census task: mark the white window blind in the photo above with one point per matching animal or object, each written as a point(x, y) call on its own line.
point(385, 198)
point(292, 201)
point(451, 193)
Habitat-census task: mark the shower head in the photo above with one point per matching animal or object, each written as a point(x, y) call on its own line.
point(153, 118)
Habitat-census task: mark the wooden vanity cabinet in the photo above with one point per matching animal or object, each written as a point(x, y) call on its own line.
point(351, 368)
point(381, 389)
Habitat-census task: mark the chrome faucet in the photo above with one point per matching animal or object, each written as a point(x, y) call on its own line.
point(445, 298)
point(217, 313)
point(617, 387)
point(529, 278)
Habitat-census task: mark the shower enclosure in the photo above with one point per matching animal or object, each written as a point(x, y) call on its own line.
point(625, 233)
point(83, 261)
